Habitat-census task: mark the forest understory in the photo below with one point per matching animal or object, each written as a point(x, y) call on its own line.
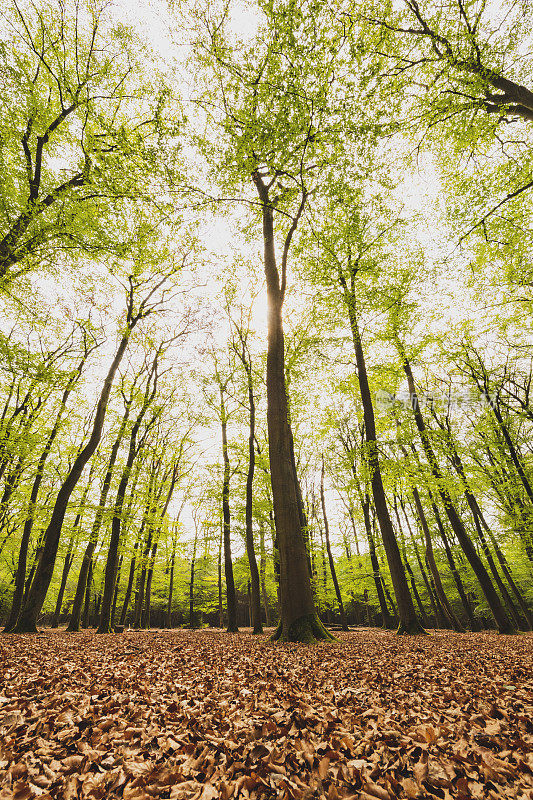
point(205, 714)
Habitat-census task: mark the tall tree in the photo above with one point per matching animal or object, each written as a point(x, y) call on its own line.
point(240, 346)
point(332, 569)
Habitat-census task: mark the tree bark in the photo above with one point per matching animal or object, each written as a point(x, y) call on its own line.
point(74, 623)
point(220, 603)
point(148, 597)
point(116, 522)
point(298, 617)
point(388, 621)
point(250, 550)
point(69, 558)
point(87, 603)
point(414, 589)
point(168, 620)
point(192, 618)
point(131, 576)
point(409, 622)
point(481, 524)
point(262, 571)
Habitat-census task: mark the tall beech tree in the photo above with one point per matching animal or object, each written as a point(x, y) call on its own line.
point(240, 346)
point(328, 549)
point(277, 116)
point(347, 253)
point(231, 603)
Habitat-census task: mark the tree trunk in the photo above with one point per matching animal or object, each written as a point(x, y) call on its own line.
point(149, 576)
point(355, 536)
point(168, 620)
point(481, 524)
point(192, 618)
point(87, 603)
point(69, 558)
point(250, 550)
point(455, 572)
point(231, 605)
point(74, 623)
point(262, 571)
point(409, 623)
point(116, 522)
point(414, 589)
point(507, 599)
point(220, 603)
point(430, 560)
point(131, 576)
point(388, 621)
point(298, 617)
point(115, 593)
point(344, 624)
point(139, 600)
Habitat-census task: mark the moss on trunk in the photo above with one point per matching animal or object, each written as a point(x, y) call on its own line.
point(414, 628)
point(307, 629)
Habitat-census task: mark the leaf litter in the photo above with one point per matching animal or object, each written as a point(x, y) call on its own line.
point(195, 715)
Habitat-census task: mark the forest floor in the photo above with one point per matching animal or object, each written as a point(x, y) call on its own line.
point(205, 714)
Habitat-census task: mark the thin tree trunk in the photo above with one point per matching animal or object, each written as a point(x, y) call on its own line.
point(168, 621)
point(74, 622)
point(139, 600)
point(262, 571)
point(481, 525)
point(131, 576)
point(192, 618)
point(409, 622)
point(507, 599)
point(416, 594)
point(388, 621)
point(149, 576)
point(220, 603)
point(355, 536)
point(330, 555)
point(69, 558)
point(88, 595)
point(116, 522)
point(20, 575)
point(455, 572)
point(250, 550)
point(115, 593)
point(430, 560)
point(231, 605)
